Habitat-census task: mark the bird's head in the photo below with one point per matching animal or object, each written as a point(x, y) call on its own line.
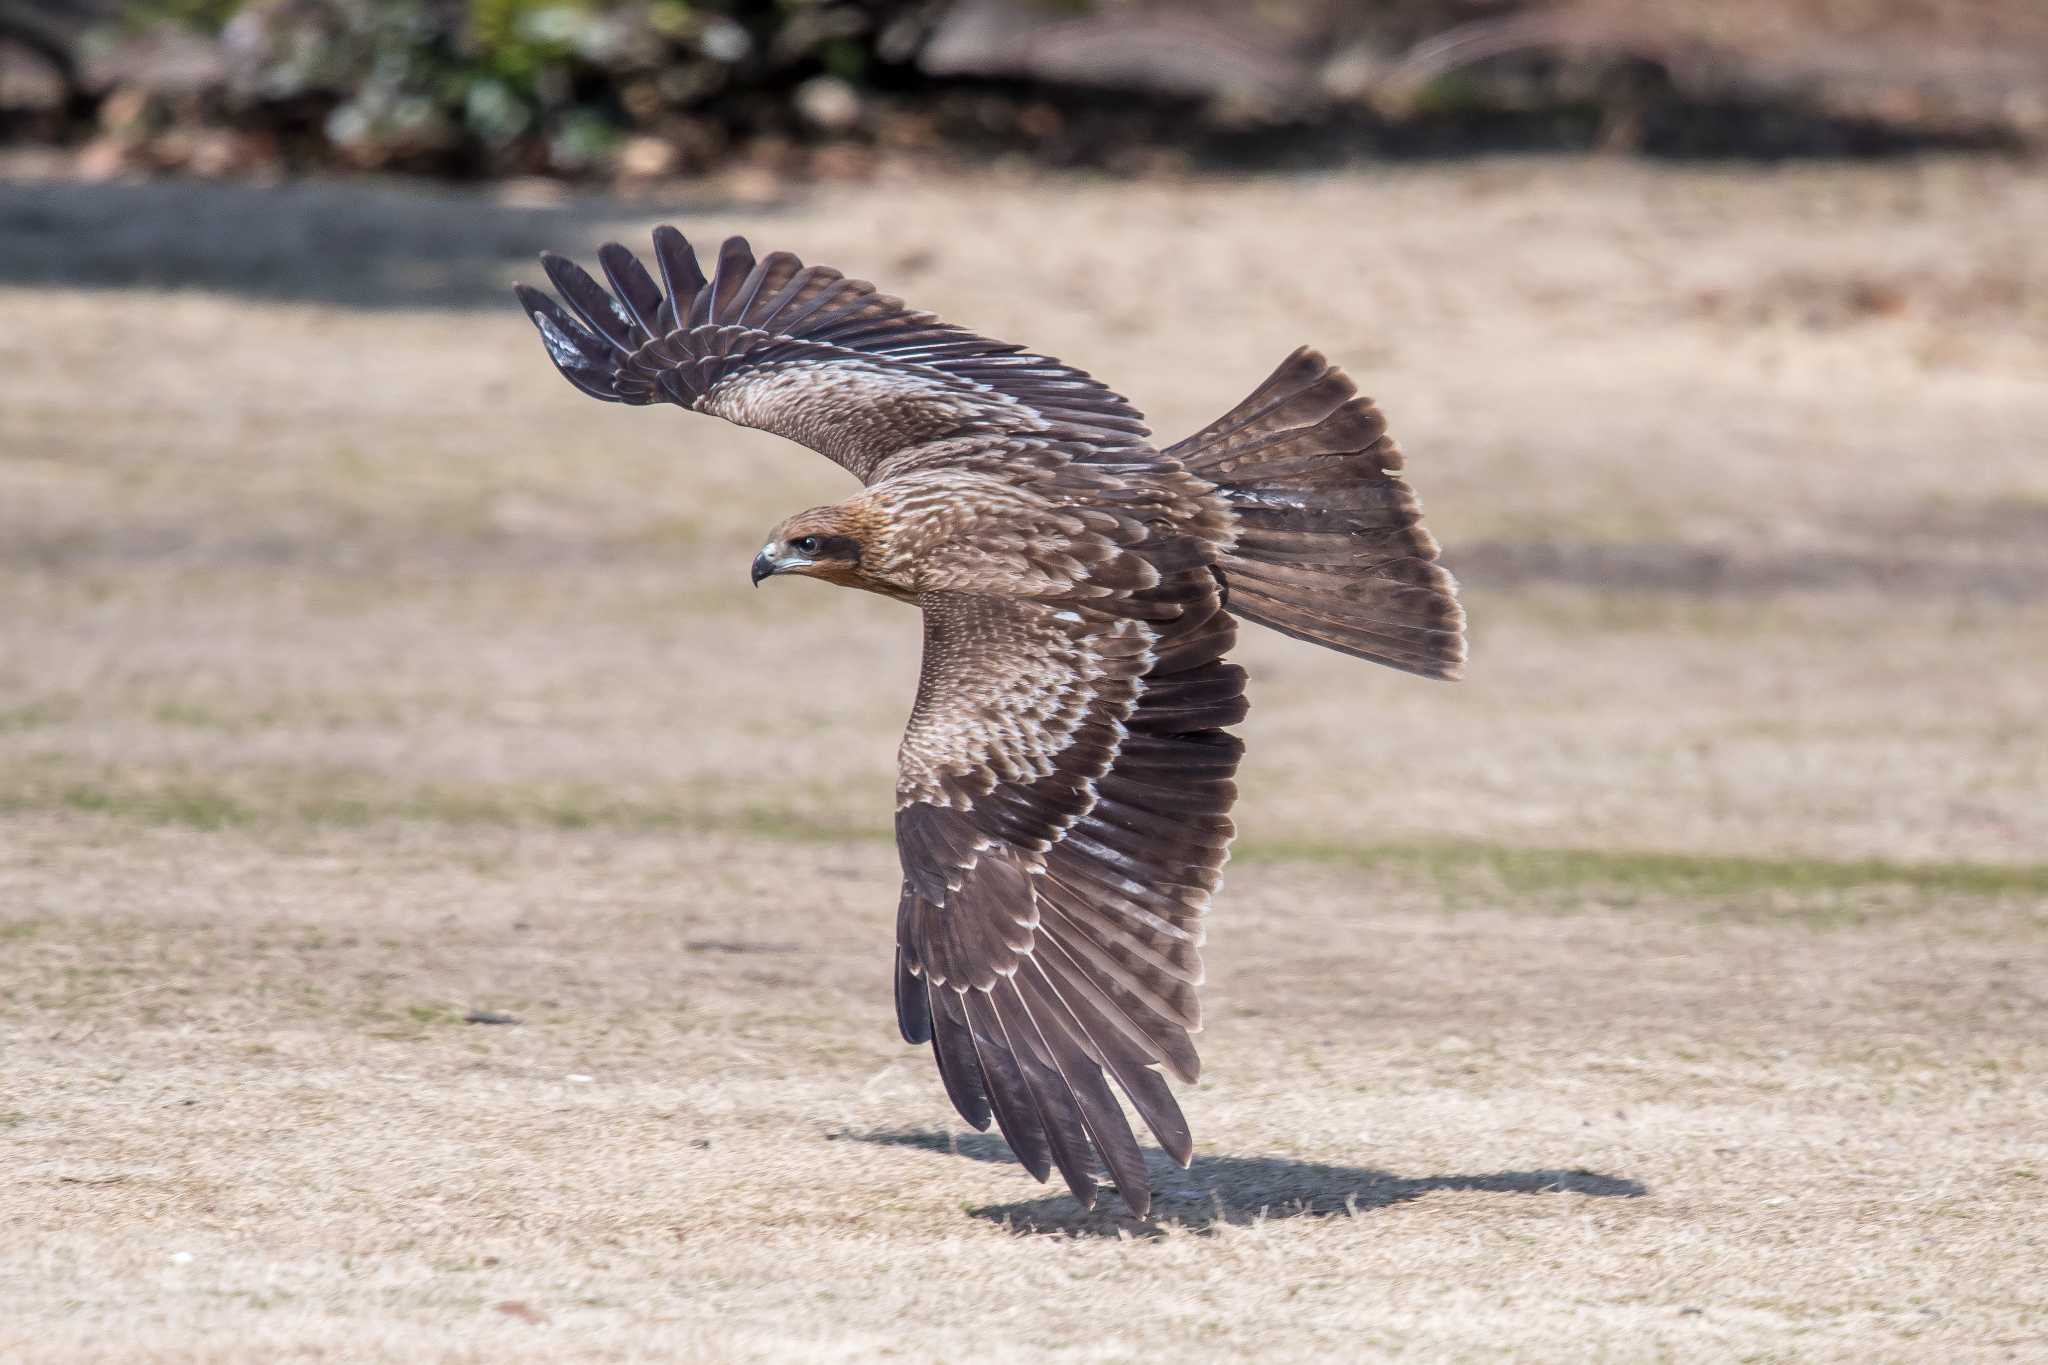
point(821, 543)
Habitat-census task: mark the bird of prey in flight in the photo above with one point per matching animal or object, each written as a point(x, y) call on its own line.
point(1064, 787)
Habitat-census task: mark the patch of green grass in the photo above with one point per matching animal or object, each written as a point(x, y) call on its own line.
point(189, 715)
point(193, 807)
point(352, 800)
point(579, 809)
point(346, 799)
point(406, 1025)
point(1540, 871)
point(36, 715)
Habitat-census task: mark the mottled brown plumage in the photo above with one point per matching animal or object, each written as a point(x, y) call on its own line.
point(1065, 782)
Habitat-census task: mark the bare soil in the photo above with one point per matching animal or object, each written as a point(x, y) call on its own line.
point(1674, 988)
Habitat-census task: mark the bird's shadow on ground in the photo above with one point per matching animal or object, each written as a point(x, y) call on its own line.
point(1231, 1190)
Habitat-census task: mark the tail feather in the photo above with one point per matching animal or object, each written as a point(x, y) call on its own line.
point(1330, 545)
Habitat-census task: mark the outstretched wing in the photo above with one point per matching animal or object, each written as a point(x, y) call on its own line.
point(1063, 817)
point(806, 353)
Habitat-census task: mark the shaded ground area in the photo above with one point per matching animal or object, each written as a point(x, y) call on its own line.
point(356, 245)
point(1672, 987)
point(1232, 1190)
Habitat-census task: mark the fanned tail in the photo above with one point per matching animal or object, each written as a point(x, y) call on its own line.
point(1330, 544)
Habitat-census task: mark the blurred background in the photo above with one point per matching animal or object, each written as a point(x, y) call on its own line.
point(638, 89)
point(358, 676)
point(1715, 330)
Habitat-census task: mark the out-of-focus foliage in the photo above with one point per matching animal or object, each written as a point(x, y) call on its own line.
point(500, 85)
point(645, 88)
point(201, 14)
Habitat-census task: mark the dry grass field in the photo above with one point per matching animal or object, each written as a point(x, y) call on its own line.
point(1675, 988)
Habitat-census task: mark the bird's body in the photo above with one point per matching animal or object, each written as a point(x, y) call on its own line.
point(1065, 780)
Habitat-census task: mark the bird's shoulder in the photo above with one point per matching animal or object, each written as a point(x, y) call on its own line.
point(1049, 530)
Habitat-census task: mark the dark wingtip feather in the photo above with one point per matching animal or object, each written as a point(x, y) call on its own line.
point(600, 312)
point(632, 285)
point(681, 277)
point(583, 359)
point(1008, 1094)
point(960, 1068)
point(913, 1006)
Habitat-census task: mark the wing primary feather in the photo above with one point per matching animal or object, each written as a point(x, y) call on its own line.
point(1166, 1043)
point(834, 292)
point(1058, 1114)
point(959, 1068)
point(770, 318)
point(599, 311)
point(735, 265)
point(1149, 1093)
point(1008, 1096)
point(859, 297)
point(913, 1009)
point(1168, 996)
point(681, 276)
point(749, 294)
point(891, 330)
point(633, 285)
point(583, 359)
point(1060, 1032)
point(1171, 961)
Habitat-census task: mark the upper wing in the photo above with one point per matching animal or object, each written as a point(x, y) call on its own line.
point(1062, 818)
point(806, 353)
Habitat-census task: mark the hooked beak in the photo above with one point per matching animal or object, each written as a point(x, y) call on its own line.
point(764, 567)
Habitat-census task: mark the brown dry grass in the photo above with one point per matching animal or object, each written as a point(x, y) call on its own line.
point(1672, 989)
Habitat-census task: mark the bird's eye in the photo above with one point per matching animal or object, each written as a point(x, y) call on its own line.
point(805, 545)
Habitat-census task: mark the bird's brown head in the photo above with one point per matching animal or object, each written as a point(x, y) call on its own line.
point(824, 543)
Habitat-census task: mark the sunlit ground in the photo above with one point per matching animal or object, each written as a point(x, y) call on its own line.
point(1671, 987)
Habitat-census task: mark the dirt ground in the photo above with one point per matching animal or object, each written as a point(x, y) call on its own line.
point(1674, 988)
